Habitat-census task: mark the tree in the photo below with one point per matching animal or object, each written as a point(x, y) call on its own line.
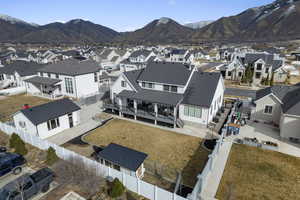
point(18, 144)
point(272, 80)
point(117, 188)
point(51, 156)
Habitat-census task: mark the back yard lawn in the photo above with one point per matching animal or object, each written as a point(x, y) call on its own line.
point(172, 150)
point(253, 173)
point(11, 104)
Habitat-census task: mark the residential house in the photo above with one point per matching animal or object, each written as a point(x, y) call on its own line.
point(123, 159)
point(48, 119)
point(264, 66)
point(14, 74)
point(179, 55)
point(137, 60)
point(280, 105)
point(233, 71)
point(72, 78)
point(168, 93)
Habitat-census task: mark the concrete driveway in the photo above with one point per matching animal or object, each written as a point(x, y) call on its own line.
point(264, 132)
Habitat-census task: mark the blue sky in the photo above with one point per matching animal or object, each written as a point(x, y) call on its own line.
point(123, 15)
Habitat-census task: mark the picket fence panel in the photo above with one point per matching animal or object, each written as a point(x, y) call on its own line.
point(132, 183)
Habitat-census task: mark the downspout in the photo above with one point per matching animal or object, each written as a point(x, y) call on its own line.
point(75, 87)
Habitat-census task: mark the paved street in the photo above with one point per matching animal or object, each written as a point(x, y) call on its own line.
point(240, 92)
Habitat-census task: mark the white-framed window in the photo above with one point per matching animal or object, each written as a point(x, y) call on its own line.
point(147, 85)
point(95, 77)
point(1, 77)
point(192, 111)
point(123, 83)
point(170, 88)
point(22, 124)
point(268, 109)
point(69, 85)
point(53, 123)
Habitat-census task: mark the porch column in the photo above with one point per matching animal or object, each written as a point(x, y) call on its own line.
point(120, 106)
point(135, 108)
point(175, 115)
point(156, 112)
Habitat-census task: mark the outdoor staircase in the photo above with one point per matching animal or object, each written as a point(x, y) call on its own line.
point(179, 123)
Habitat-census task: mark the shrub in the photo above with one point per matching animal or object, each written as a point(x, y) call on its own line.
point(51, 156)
point(117, 188)
point(17, 144)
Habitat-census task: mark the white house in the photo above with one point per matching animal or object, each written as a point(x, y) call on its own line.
point(16, 72)
point(168, 93)
point(72, 78)
point(48, 119)
point(280, 105)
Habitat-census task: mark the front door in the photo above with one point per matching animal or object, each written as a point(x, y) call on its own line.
point(70, 116)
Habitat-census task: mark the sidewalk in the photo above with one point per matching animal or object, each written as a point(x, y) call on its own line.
point(212, 185)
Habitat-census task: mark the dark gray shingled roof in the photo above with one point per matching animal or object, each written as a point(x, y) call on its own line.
point(42, 80)
point(132, 76)
point(288, 95)
point(23, 68)
point(51, 110)
point(166, 72)
point(138, 53)
point(201, 89)
point(72, 67)
point(123, 156)
point(253, 57)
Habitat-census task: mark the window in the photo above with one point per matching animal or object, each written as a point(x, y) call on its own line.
point(147, 85)
point(117, 167)
point(57, 76)
point(166, 88)
point(174, 89)
point(52, 124)
point(257, 75)
point(258, 66)
point(41, 74)
point(267, 70)
point(123, 83)
point(27, 186)
point(49, 75)
point(192, 111)
point(268, 109)
point(228, 73)
point(240, 74)
point(95, 77)
point(69, 85)
point(1, 77)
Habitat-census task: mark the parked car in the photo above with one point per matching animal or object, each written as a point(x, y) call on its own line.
point(27, 186)
point(3, 149)
point(11, 162)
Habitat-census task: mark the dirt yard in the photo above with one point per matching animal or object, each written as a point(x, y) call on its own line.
point(12, 104)
point(166, 148)
point(253, 173)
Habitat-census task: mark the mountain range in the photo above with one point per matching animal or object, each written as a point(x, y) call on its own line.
point(276, 21)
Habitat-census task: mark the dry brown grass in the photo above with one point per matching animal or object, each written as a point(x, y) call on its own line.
point(253, 173)
point(184, 153)
point(12, 104)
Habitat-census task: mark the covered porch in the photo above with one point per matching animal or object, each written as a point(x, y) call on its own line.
point(156, 106)
point(44, 87)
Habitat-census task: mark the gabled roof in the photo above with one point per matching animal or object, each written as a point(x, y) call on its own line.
point(166, 73)
point(251, 58)
point(23, 68)
point(72, 67)
point(138, 53)
point(132, 77)
point(123, 156)
point(178, 51)
point(201, 89)
point(43, 113)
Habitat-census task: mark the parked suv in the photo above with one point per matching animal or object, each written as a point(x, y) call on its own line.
point(11, 162)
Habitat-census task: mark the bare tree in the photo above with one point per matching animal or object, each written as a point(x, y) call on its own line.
point(75, 172)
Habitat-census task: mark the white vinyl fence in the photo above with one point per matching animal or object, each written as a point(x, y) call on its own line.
point(132, 183)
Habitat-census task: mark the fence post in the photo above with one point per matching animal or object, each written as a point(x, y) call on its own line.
point(155, 192)
point(174, 196)
point(123, 178)
point(108, 171)
point(138, 186)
